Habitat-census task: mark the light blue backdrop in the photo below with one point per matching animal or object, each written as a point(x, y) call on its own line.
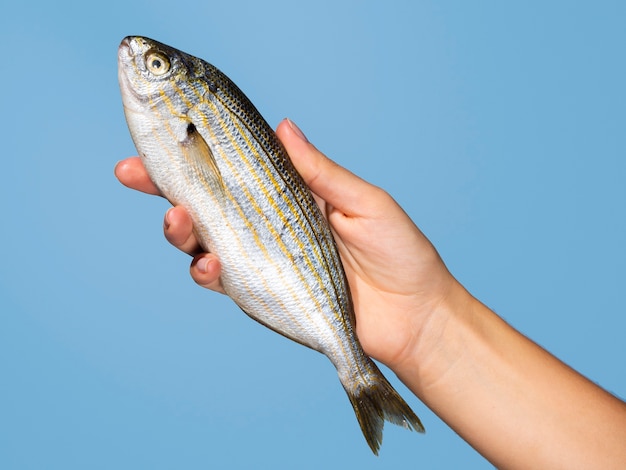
point(501, 129)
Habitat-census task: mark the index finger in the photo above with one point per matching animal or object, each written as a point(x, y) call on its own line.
point(131, 173)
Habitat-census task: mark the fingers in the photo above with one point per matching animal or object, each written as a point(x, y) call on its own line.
point(177, 226)
point(131, 173)
point(339, 187)
point(178, 230)
point(205, 270)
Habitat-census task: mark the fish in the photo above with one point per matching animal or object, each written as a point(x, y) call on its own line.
point(207, 148)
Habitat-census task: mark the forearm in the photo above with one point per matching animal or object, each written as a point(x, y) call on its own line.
point(510, 399)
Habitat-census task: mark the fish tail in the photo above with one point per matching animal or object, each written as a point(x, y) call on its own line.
point(376, 402)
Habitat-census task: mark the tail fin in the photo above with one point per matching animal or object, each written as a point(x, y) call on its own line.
point(376, 403)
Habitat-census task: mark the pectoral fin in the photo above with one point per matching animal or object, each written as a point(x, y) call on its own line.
point(199, 155)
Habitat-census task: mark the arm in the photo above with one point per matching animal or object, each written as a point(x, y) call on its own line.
point(511, 400)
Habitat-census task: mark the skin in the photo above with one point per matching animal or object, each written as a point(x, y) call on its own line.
point(518, 405)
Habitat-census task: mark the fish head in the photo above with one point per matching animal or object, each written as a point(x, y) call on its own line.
point(149, 71)
point(162, 89)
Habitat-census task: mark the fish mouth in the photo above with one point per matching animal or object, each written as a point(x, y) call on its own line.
point(124, 56)
point(123, 51)
point(125, 68)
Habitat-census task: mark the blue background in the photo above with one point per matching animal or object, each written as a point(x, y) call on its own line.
point(499, 128)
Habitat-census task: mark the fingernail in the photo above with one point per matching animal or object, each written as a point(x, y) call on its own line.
point(297, 130)
point(202, 265)
point(166, 220)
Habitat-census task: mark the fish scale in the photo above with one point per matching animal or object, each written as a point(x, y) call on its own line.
point(207, 148)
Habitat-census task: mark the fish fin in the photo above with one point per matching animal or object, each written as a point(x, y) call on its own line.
point(377, 402)
point(200, 157)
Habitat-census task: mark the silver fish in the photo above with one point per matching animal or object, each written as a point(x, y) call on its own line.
point(207, 148)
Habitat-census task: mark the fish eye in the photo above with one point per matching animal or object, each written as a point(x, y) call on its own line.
point(157, 63)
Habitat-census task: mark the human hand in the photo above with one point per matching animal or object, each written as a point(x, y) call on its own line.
point(396, 277)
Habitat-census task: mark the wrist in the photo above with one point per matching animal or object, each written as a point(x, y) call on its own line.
point(437, 347)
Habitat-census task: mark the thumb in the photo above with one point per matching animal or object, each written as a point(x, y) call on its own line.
point(339, 187)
